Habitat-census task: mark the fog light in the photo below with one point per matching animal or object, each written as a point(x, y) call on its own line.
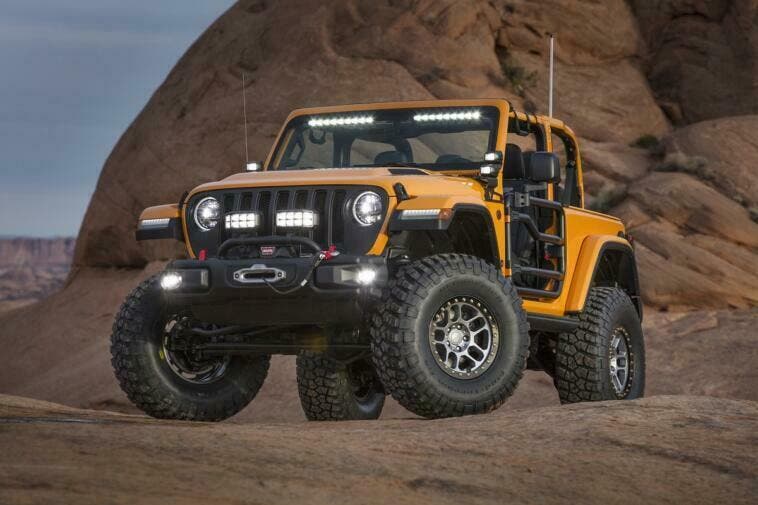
point(366, 276)
point(171, 281)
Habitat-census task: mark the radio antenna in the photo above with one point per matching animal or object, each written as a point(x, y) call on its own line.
point(244, 114)
point(550, 78)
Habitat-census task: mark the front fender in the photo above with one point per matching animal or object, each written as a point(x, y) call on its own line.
point(448, 205)
point(160, 222)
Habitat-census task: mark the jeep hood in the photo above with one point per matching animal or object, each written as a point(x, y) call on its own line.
point(416, 181)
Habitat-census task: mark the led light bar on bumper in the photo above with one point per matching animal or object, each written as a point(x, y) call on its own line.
point(242, 220)
point(296, 219)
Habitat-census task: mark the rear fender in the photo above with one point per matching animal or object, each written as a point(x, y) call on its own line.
point(604, 261)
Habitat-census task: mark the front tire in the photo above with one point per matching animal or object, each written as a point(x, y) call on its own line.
point(333, 391)
point(604, 358)
point(173, 386)
point(451, 338)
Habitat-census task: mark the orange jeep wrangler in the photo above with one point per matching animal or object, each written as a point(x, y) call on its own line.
point(428, 250)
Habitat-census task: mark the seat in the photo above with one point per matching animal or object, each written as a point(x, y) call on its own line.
point(390, 157)
point(515, 178)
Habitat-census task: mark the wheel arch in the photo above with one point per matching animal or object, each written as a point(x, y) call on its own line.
point(470, 230)
point(604, 261)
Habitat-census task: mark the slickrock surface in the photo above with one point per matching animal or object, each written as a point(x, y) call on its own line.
point(657, 450)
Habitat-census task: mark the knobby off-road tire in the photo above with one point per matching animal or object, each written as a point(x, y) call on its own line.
point(587, 358)
point(145, 375)
point(334, 391)
point(402, 335)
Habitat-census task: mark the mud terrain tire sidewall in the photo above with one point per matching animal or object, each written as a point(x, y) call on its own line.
point(582, 359)
point(151, 385)
point(326, 391)
point(400, 340)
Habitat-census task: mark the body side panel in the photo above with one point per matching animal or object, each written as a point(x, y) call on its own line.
point(580, 224)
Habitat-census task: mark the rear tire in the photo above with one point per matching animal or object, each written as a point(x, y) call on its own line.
point(451, 338)
point(161, 386)
point(334, 391)
point(604, 358)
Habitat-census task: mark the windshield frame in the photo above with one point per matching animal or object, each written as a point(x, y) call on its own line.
point(497, 108)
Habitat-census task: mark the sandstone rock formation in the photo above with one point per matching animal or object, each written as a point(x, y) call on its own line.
point(357, 51)
point(36, 251)
point(691, 205)
point(31, 269)
point(701, 56)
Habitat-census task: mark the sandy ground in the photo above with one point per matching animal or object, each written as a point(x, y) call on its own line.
point(657, 450)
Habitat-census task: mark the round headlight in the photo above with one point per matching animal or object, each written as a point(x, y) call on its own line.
point(367, 208)
point(207, 213)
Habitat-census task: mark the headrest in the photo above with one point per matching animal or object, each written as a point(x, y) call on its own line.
point(527, 157)
point(387, 157)
point(452, 158)
point(514, 163)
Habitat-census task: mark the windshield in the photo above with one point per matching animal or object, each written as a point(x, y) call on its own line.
point(434, 138)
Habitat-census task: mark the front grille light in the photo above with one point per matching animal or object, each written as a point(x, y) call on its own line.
point(242, 220)
point(296, 219)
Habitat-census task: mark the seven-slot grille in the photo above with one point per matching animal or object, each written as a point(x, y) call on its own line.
point(336, 225)
point(327, 203)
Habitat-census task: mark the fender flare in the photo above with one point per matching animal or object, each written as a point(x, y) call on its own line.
point(436, 224)
point(593, 249)
point(160, 222)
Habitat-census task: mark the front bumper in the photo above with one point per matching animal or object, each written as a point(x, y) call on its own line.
point(233, 291)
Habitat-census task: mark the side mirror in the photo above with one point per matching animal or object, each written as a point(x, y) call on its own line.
point(254, 166)
point(544, 166)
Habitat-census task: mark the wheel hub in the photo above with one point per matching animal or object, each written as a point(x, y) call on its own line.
point(457, 337)
point(464, 337)
point(184, 364)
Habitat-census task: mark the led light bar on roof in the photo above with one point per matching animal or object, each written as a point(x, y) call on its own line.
point(340, 121)
point(465, 115)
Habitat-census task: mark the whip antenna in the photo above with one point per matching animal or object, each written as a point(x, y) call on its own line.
point(244, 114)
point(550, 78)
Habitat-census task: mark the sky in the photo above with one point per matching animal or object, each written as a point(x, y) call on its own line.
point(73, 76)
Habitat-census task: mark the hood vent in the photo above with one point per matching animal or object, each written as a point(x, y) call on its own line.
point(407, 171)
